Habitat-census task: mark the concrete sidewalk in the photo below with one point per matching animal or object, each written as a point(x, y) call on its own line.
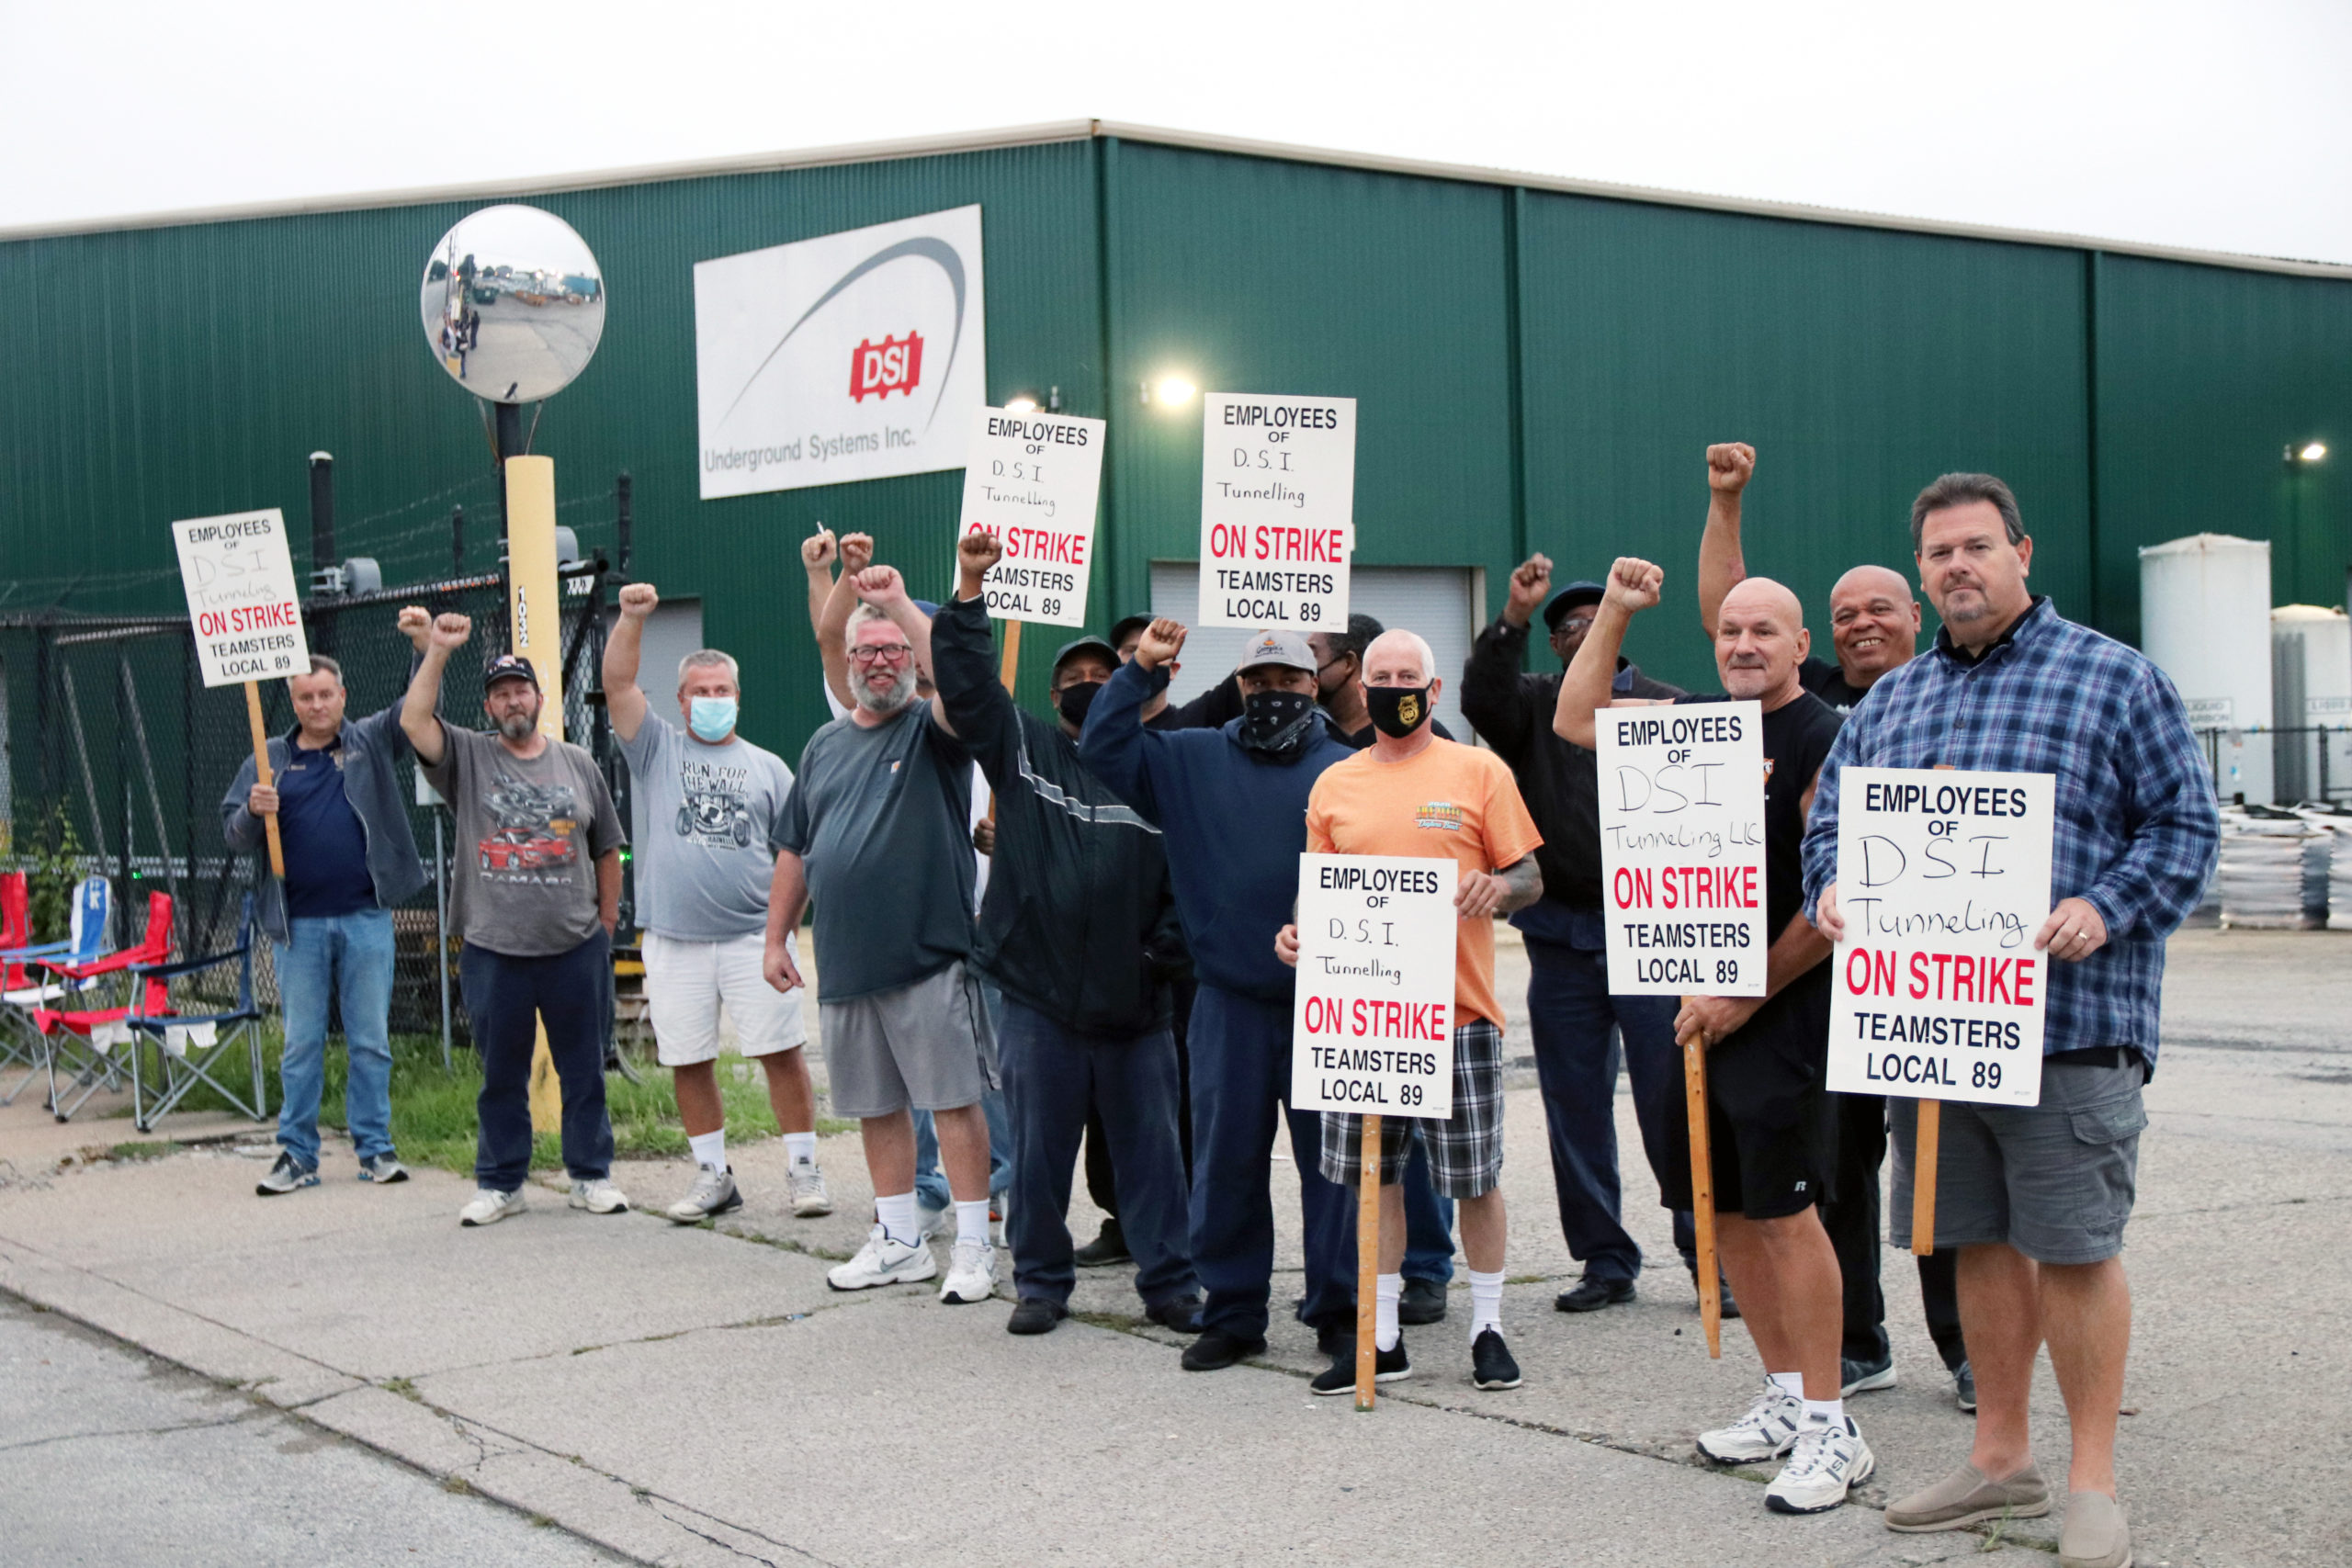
point(689, 1396)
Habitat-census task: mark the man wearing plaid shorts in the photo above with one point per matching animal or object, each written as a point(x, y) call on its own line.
point(1412, 793)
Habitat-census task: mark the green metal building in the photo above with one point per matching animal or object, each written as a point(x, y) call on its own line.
point(1538, 363)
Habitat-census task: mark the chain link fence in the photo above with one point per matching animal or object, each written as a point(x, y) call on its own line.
point(115, 759)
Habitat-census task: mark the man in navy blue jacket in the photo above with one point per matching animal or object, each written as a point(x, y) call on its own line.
point(1231, 805)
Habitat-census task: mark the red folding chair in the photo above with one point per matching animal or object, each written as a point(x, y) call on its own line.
point(82, 1039)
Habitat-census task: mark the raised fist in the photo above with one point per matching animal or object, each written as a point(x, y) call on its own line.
point(416, 625)
point(1730, 465)
point(857, 551)
point(880, 586)
point(978, 550)
point(638, 600)
point(451, 631)
point(818, 550)
point(1634, 583)
point(1162, 641)
point(1531, 585)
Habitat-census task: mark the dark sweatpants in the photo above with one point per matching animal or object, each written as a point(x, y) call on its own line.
point(506, 1000)
point(1051, 1075)
point(1570, 1013)
point(1240, 1085)
point(1852, 1219)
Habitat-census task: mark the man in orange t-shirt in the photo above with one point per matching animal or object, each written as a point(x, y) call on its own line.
point(1412, 793)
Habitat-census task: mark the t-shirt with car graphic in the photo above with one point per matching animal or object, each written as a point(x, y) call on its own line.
point(529, 834)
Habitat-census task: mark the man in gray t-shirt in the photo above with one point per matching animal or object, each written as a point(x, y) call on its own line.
point(707, 803)
point(538, 887)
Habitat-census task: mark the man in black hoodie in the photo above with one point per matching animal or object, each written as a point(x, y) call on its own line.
point(1075, 928)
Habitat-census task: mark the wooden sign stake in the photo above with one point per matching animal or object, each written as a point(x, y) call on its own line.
point(263, 776)
point(1923, 1178)
point(1702, 1192)
point(1367, 1259)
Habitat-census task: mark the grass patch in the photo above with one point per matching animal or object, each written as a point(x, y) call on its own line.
point(433, 1110)
point(141, 1151)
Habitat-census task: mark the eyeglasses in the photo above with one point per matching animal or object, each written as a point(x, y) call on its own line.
point(892, 653)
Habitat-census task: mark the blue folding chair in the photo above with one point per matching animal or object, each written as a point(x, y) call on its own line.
point(26, 985)
point(188, 1046)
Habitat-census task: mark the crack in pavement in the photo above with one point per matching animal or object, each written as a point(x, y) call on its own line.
point(668, 1509)
point(254, 1413)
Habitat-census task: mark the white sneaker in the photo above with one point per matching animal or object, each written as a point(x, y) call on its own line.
point(971, 1274)
point(884, 1261)
point(598, 1197)
point(808, 1196)
point(489, 1205)
point(1829, 1460)
point(712, 1194)
point(1766, 1431)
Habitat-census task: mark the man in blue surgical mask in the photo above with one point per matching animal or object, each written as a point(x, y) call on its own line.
point(706, 803)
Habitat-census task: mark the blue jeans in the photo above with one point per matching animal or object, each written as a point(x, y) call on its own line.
point(506, 1000)
point(931, 1177)
point(1051, 1076)
point(1570, 1014)
point(347, 958)
point(1240, 1050)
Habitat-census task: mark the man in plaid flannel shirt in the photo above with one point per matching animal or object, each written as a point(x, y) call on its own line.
point(2036, 1197)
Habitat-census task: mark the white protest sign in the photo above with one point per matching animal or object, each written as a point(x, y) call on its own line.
point(1278, 496)
point(1682, 848)
point(1373, 1027)
point(1944, 878)
point(243, 602)
point(1032, 479)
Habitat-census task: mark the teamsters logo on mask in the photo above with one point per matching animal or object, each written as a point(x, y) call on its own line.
point(1397, 711)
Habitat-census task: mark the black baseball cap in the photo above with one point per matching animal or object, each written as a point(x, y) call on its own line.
point(1089, 644)
point(1557, 608)
point(1121, 627)
point(505, 666)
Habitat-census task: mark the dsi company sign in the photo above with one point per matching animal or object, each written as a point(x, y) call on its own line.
point(856, 355)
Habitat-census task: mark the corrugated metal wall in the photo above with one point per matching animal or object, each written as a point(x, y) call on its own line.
point(1536, 370)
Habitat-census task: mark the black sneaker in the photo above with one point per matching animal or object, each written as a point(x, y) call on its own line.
point(286, 1176)
point(1339, 1377)
point(1860, 1377)
point(1182, 1314)
point(1423, 1302)
point(1107, 1250)
point(1963, 1380)
point(1591, 1295)
point(1216, 1349)
point(1491, 1366)
point(1727, 1305)
point(1035, 1314)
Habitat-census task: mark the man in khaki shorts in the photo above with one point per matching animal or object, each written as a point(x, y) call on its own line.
point(706, 802)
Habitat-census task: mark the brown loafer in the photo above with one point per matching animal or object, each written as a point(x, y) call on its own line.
point(1967, 1496)
point(2094, 1535)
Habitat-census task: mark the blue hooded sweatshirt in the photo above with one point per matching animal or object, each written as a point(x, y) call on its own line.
point(1234, 826)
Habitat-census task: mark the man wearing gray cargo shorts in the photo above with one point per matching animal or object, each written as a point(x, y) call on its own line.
point(2036, 1197)
point(874, 830)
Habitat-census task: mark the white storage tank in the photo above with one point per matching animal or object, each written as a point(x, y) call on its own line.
point(2311, 665)
point(2205, 619)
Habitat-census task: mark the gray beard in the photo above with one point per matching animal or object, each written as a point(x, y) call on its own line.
point(518, 727)
point(882, 705)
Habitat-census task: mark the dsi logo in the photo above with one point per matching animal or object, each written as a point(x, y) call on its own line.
point(894, 365)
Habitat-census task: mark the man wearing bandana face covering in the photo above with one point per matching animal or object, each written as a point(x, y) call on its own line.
point(1076, 907)
point(1231, 806)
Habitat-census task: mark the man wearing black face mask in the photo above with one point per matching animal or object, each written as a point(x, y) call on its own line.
point(1077, 901)
point(1232, 805)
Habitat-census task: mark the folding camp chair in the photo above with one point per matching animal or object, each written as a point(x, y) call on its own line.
point(187, 1045)
point(23, 987)
point(80, 1039)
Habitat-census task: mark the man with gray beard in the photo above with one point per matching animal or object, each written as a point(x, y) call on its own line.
point(876, 831)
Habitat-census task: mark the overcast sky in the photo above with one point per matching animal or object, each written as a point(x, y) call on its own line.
point(2212, 125)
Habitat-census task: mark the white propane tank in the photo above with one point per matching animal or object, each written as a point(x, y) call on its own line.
point(2311, 660)
point(2205, 619)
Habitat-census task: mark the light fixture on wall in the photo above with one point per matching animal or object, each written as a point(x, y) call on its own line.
point(1029, 402)
point(1169, 392)
point(2302, 455)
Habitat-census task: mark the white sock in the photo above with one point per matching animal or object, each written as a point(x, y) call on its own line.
point(1827, 1412)
point(972, 1221)
point(800, 1148)
point(897, 1215)
point(1385, 1290)
point(1486, 1303)
point(711, 1149)
point(1789, 1383)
